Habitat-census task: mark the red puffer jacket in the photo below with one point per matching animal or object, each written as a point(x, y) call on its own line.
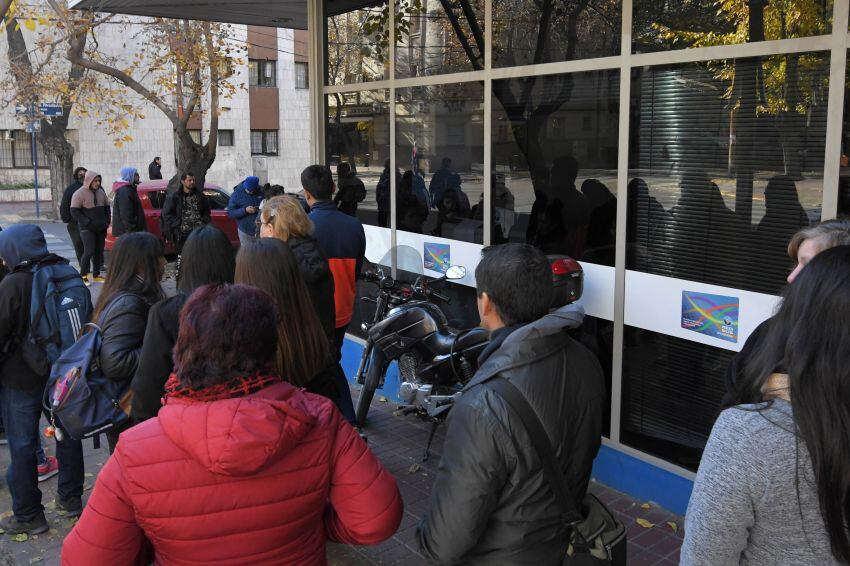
point(262, 479)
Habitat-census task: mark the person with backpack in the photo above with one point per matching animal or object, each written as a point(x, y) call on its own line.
point(65, 211)
point(350, 190)
point(90, 209)
point(132, 287)
point(208, 259)
point(492, 502)
point(30, 340)
point(127, 212)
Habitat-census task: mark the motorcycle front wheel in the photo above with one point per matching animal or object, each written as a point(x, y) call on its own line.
point(370, 385)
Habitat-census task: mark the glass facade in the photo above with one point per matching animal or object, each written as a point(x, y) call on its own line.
point(673, 173)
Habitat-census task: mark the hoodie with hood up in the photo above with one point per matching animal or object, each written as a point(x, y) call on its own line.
point(261, 479)
point(20, 246)
point(127, 212)
point(90, 208)
point(245, 194)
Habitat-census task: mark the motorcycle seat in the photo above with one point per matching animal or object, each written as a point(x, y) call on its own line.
point(444, 343)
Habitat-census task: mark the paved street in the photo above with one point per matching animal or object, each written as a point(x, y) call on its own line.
point(398, 441)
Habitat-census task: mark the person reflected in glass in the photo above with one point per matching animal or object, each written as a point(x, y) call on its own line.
point(383, 193)
point(563, 226)
point(540, 183)
point(603, 222)
point(709, 243)
point(783, 217)
point(774, 482)
point(411, 211)
point(647, 230)
point(453, 205)
point(440, 182)
point(349, 189)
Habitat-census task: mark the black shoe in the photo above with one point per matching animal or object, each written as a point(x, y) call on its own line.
point(73, 506)
point(12, 526)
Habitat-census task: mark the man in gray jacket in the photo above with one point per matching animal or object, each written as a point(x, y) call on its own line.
point(491, 503)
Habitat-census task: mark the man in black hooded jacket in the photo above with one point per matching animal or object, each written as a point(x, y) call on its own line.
point(491, 503)
point(65, 211)
point(21, 391)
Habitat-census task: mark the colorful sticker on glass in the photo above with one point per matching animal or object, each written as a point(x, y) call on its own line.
point(712, 315)
point(437, 257)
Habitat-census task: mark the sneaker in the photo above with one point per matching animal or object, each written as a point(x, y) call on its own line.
point(73, 506)
point(86, 280)
point(48, 469)
point(12, 526)
point(98, 279)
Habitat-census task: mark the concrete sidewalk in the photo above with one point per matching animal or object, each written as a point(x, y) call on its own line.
point(399, 442)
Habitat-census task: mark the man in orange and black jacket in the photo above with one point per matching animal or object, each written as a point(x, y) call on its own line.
point(343, 240)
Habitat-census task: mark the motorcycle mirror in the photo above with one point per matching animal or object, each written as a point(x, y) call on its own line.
point(456, 272)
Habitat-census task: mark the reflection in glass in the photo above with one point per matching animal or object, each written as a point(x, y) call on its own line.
point(665, 25)
point(436, 37)
point(671, 394)
point(530, 32)
point(358, 143)
point(844, 175)
point(555, 159)
point(356, 47)
point(726, 163)
point(440, 150)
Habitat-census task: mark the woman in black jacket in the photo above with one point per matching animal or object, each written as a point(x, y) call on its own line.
point(283, 218)
point(207, 258)
point(132, 286)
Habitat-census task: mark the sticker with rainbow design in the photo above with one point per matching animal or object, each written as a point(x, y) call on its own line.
point(712, 315)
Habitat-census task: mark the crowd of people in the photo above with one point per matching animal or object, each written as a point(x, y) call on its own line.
point(240, 445)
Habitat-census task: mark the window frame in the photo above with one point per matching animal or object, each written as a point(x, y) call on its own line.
point(266, 143)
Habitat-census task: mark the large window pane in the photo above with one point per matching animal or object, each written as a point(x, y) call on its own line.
point(555, 158)
point(357, 46)
point(661, 25)
point(672, 390)
point(440, 151)
point(530, 32)
point(439, 36)
point(358, 133)
point(844, 177)
point(726, 163)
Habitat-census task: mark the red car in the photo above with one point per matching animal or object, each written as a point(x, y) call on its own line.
point(152, 194)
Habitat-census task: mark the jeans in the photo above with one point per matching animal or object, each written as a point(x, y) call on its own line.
point(21, 415)
point(74, 232)
point(245, 239)
point(344, 402)
point(93, 243)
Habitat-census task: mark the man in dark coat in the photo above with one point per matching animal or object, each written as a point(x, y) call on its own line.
point(65, 211)
point(350, 190)
point(491, 503)
point(21, 390)
point(155, 169)
point(184, 210)
point(127, 212)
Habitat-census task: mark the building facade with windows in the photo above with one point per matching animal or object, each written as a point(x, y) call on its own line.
point(670, 147)
point(262, 127)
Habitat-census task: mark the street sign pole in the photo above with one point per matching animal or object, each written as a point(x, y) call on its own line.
point(35, 161)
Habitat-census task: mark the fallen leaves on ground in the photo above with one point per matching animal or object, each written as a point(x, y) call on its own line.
point(646, 506)
point(413, 469)
point(36, 560)
point(644, 523)
point(23, 537)
point(673, 526)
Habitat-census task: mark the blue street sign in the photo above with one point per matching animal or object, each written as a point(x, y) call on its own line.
point(21, 109)
point(50, 109)
point(33, 127)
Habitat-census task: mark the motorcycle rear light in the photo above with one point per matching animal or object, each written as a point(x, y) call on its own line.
point(565, 266)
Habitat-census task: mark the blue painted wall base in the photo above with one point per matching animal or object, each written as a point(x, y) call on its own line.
point(615, 469)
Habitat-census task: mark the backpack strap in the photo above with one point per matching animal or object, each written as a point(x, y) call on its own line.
point(540, 440)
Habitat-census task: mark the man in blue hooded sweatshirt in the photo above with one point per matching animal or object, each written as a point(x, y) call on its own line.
point(21, 390)
point(127, 212)
point(243, 208)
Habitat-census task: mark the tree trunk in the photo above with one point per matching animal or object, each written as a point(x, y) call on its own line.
point(60, 157)
point(191, 158)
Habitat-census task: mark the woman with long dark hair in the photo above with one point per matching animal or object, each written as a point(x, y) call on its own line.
point(774, 483)
point(132, 285)
point(208, 258)
point(303, 354)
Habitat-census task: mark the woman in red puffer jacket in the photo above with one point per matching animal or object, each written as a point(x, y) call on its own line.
point(239, 467)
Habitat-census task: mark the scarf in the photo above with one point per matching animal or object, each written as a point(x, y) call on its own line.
point(236, 387)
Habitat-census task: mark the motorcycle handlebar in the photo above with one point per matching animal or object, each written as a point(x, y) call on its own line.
point(440, 296)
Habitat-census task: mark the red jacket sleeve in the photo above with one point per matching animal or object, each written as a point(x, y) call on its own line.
point(107, 532)
point(365, 504)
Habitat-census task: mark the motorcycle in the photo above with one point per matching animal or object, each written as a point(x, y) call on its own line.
point(434, 360)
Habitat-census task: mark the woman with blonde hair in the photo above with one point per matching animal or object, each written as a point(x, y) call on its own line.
point(283, 218)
